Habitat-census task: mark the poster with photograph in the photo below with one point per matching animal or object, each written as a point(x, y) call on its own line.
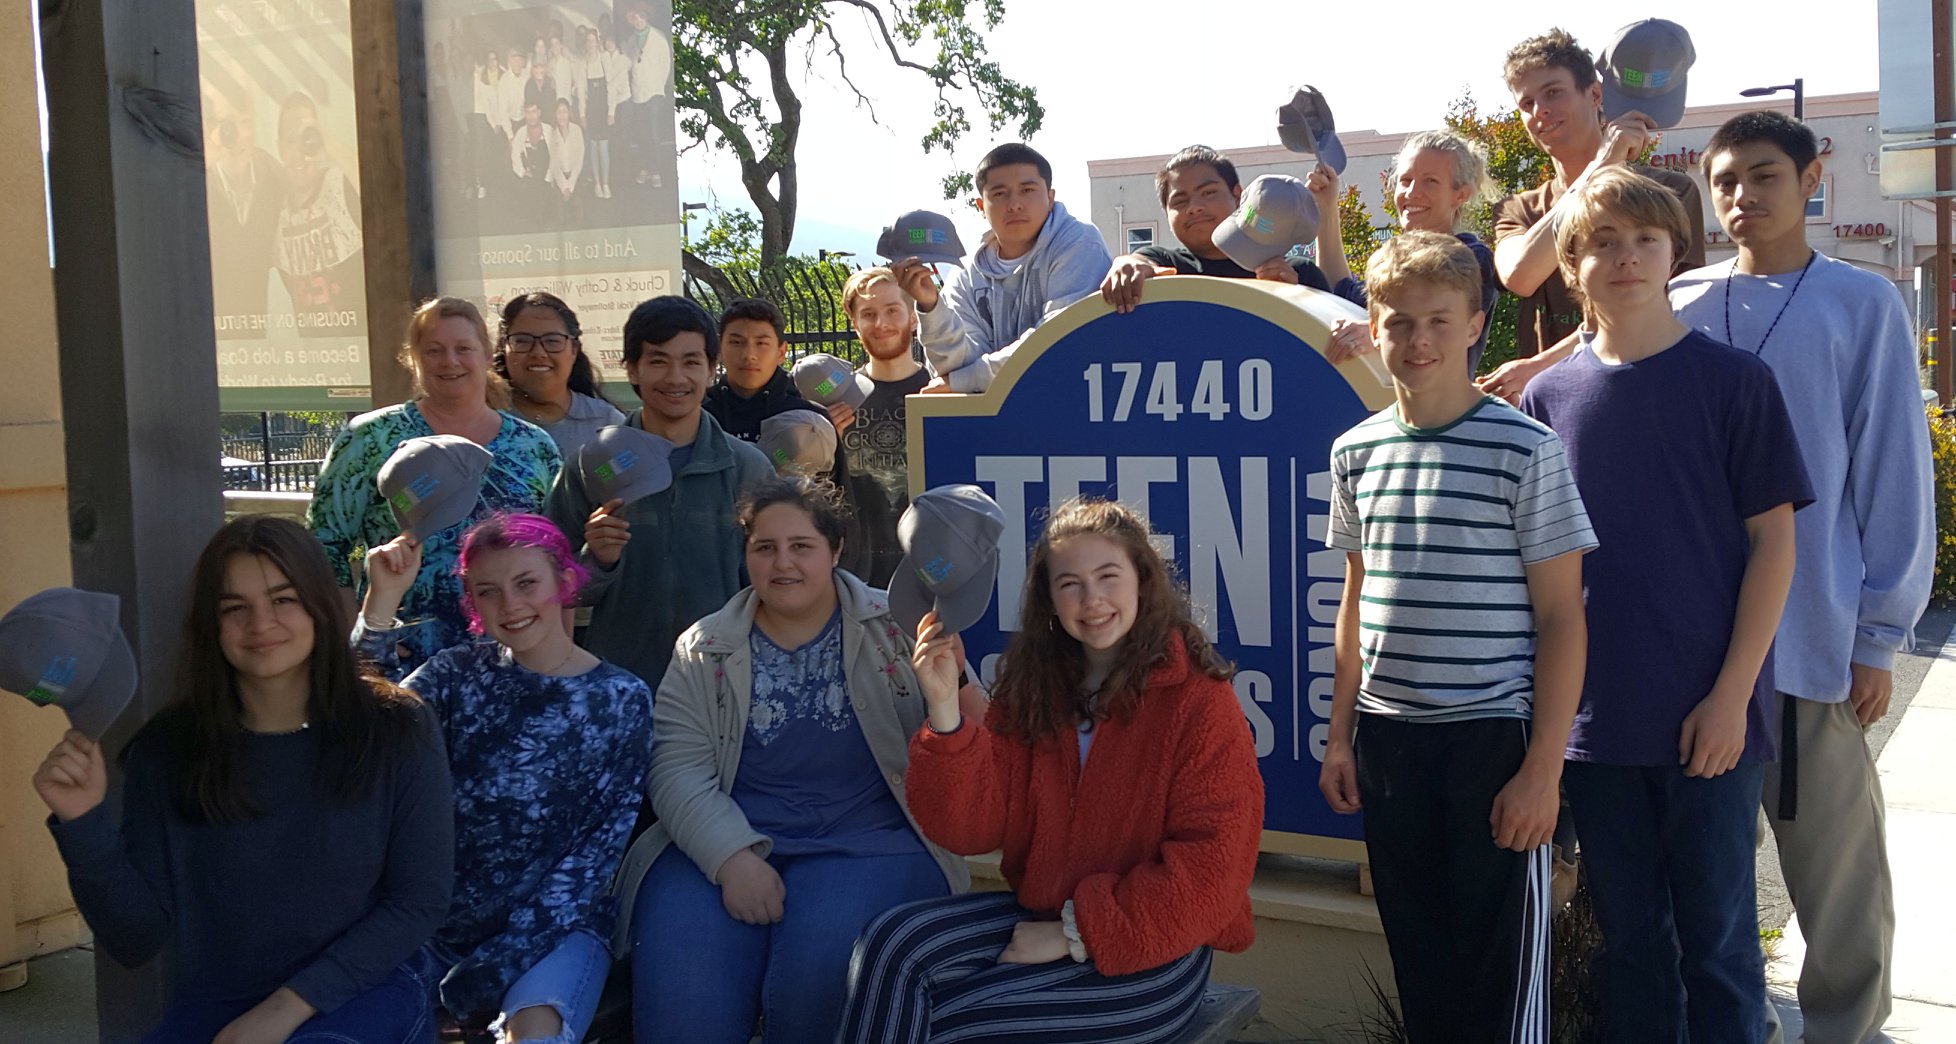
point(551, 128)
point(282, 170)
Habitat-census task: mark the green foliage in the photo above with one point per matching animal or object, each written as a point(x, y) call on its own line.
point(1942, 446)
point(1516, 164)
point(808, 290)
point(1355, 230)
point(730, 239)
point(718, 43)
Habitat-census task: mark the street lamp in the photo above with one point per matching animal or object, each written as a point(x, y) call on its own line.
point(1798, 87)
point(833, 255)
point(684, 209)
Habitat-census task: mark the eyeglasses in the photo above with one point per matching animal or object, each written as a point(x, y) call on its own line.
point(552, 343)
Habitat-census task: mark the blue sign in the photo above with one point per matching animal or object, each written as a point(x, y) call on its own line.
point(1210, 409)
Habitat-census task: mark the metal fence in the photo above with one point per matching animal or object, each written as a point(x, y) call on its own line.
point(282, 455)
point(809, 295)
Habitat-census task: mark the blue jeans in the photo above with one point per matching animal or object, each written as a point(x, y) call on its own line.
point(1669, 860)
point(398, 1011)
point(701, 977)
point(569, 979)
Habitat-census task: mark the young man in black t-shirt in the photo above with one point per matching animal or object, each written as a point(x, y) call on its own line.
point(875, 443)
point(1198, 188)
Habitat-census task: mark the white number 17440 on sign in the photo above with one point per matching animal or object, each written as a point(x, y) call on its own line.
point(1211, 397)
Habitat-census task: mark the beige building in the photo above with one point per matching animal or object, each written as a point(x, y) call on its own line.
point(36, 914)
point(1847, 217)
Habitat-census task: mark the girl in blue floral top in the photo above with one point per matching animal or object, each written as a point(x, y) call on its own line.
point(782, 728)
point(548, 746)
point(455, 393)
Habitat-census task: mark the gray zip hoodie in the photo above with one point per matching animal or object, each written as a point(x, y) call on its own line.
point(989, 305)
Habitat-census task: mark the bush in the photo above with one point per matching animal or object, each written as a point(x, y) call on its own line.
point(1942, 445)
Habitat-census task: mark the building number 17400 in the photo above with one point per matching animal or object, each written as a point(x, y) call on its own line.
point(1254, 391)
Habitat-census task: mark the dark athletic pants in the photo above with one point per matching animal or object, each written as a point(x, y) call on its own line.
point(1466, 922)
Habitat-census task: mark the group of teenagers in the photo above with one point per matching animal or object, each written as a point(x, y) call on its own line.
point(547, 114)
point(689, 731)
point(455, 777)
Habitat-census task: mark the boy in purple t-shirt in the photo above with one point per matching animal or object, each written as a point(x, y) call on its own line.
point(1686, 459)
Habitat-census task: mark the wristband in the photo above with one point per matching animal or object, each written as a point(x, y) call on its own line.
point(1075, 947)
point(944, 732)
point(393, 623)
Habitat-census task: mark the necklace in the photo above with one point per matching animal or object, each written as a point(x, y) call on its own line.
point(1761, 350)
point(559, 664)
point(540, 409)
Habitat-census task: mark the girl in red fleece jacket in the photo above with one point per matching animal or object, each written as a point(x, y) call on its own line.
point(1115, 770)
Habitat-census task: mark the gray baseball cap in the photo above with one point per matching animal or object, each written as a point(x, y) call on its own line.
point(949, 537)
point(65, 648)
point(1643, 69)
point(827, 381)
point(1277, 213)
point(625, 463)
point(926, 235)
point(433, 482)
point(799, 441)
point(1304, 124)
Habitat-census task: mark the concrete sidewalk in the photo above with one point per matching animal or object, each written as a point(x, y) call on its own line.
point(1919, 788)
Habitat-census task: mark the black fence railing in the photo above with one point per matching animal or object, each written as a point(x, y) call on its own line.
point(809, 295)
point(275, 452)
point(280, 476)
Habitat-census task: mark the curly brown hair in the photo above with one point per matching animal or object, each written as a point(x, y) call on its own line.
point(1038, 694)
point(1555, 49)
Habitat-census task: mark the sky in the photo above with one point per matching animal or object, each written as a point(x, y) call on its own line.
point(1126, 79)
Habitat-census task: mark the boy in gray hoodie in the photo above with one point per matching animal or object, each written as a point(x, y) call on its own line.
point(1035, 260)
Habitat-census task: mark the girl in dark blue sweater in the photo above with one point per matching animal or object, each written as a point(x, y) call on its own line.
point(286, 824)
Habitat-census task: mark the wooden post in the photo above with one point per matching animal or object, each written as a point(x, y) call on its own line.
point(396, 189)
point(138, 357)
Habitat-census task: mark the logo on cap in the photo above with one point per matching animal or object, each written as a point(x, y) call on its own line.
point(1252, 219)
point(54, 681)
point(421, 488)
point(935, 571)
point(780, 455)
point(610, 469)
point(827, 387)
point(927, 235)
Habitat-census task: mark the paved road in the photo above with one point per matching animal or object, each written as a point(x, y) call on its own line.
point(1910, 668)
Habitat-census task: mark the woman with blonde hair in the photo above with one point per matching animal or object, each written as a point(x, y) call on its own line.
point(456, 392)
point(1435, 178)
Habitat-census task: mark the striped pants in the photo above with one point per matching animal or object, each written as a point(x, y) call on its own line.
point(929, 971)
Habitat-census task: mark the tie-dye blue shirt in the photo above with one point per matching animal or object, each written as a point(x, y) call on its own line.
point(807, 778)
point(548, 774)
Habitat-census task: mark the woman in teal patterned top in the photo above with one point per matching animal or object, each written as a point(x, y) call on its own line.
point(455, 393)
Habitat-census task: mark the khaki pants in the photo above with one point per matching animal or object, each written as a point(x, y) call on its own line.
point(1834, 856)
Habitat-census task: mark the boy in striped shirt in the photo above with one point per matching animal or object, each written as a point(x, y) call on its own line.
point(1460, 645)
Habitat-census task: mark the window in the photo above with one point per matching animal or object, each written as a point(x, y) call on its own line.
point(1817, 208)
point(1139, 236)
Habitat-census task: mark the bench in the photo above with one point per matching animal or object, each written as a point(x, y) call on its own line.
point(1225, 1010)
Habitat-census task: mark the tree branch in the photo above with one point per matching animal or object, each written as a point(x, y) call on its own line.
point(896, 56)
point(842, 67)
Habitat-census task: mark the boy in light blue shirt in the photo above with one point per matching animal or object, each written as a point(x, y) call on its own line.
point(1837, 340)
